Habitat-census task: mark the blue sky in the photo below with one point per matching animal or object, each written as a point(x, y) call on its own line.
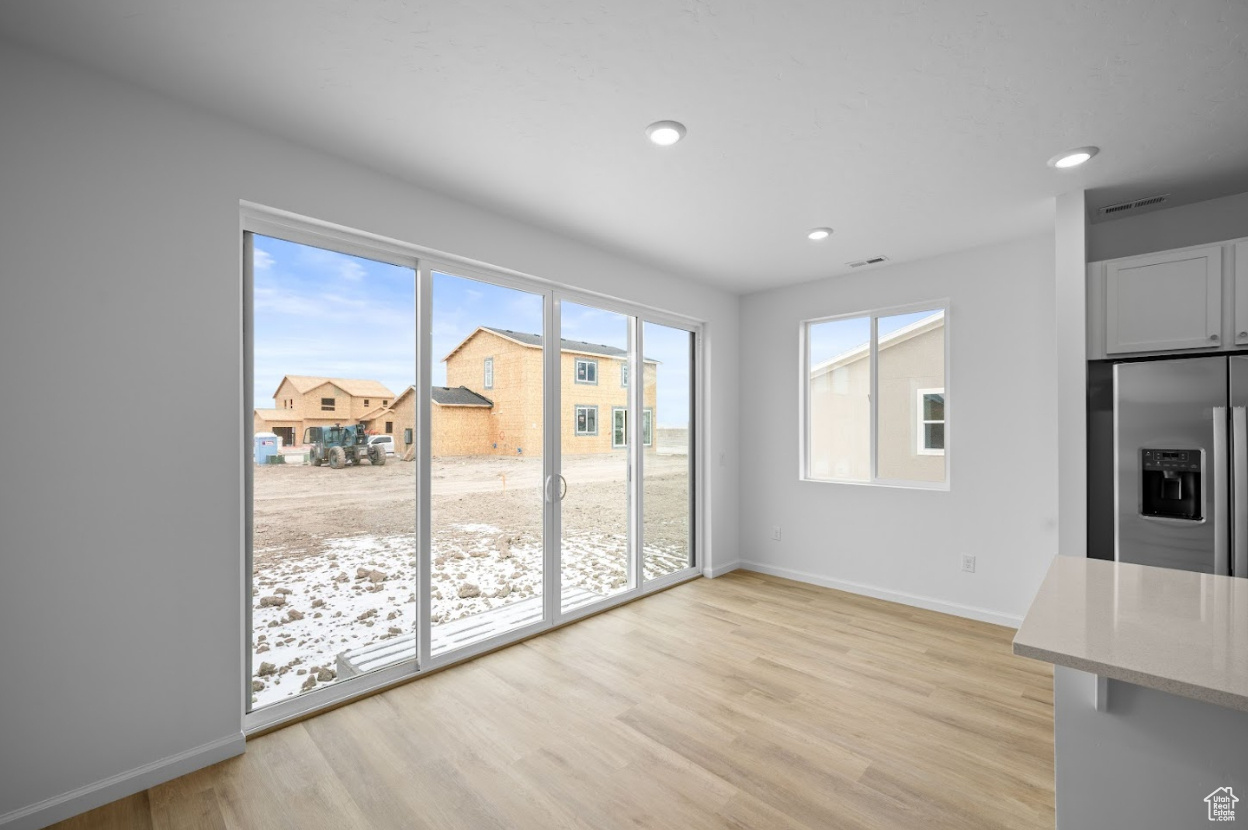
point(829, 339)
point(319, 312)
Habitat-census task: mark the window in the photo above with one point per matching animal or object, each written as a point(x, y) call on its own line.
point(624, 374)
point(931, 421)
point(586, 420)
point(489, 373)
point(385, 403)
point(619, 427)
point(366, 401)
point(586, 371)
point(875, 402)
point(389, 427)
point(327, 404)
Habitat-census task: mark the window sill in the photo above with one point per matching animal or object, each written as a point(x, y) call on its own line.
point(934, 486)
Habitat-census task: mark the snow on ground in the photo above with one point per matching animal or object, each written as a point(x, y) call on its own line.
point(361, 590)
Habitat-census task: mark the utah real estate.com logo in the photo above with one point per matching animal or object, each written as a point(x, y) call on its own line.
point(1221, 804)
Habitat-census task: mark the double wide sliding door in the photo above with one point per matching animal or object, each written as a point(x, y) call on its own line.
point(452, 459)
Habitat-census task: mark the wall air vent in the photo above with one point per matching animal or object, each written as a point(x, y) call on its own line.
point(1123, 207)
point(875, 260)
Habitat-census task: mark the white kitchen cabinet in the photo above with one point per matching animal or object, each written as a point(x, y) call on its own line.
point(1241, 293)
point(1167, 301)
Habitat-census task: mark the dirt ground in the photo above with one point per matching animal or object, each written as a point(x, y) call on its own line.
point(334, 550)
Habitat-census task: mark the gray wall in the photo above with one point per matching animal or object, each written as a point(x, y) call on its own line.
point(906, 544)
point(1148, 762)
point(122, 580)
point(1214, 220)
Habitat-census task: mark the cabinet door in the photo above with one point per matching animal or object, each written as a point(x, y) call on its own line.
point(1241, 293)
point(1166, 301)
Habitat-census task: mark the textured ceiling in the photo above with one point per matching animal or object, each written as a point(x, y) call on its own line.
point(911, 127)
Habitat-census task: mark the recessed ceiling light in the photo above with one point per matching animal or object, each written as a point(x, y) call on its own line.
point(819, 234)
point(1073, 158)
point(665, 133)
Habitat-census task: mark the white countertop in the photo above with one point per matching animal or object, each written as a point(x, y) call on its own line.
point(1177, 631)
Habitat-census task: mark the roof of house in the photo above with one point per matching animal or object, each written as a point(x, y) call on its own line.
point(459, 396)
point(893, 338)
point(352, 386)
point(535, 341)
point(276, 415)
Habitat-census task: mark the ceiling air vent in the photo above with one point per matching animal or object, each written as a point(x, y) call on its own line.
point(875, 260)
point(1122, 207)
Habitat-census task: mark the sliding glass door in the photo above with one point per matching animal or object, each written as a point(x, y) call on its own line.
point(442, 458)
point(332, 542)
point(487, 424)
point(595, 550)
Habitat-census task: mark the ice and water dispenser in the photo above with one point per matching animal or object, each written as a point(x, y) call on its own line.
point(1170, 484)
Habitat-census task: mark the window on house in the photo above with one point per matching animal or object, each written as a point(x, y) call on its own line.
point(327, 404)
point(385, 403)
point(624, 374)
point(389, 427)
point(931, 421)
point(489, 373)
point(875, 399)
point(586, 371)
point(586, 420)
point(619, 427)
point(366, 401)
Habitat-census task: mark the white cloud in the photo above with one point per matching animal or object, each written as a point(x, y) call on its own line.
point(351, 271)
point(262, 260)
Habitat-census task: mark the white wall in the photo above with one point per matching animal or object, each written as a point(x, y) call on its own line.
point(121, 574)
point(1213, 220)
point(1071, 352)
point(906, 544)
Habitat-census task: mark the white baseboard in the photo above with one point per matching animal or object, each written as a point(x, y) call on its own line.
point(968, 611)
point(720, 570)
point(60, 807)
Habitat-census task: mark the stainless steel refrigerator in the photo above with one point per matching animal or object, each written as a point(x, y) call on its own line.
point(1181, 464)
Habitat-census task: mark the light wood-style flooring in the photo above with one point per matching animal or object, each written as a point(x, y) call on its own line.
point(741, 702)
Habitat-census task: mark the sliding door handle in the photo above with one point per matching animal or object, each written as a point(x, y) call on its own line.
point(563, 486)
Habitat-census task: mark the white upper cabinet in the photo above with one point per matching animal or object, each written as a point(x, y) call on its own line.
point(1167, 301)
point(1241, 293)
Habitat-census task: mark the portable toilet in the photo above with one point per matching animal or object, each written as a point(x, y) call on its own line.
point(266, 444)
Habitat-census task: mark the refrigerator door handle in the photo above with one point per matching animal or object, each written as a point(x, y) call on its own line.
point(1221, 499)
point(1239, 490)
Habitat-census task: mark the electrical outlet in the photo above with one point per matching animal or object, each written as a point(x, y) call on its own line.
point(968, 563)
point(775, 532)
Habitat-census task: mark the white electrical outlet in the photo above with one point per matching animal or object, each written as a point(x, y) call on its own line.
point(968, 563)
point(775, 532)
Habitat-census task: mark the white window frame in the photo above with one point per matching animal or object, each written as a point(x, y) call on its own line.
point(921, 439)
point(623, 375)
point(576, 420)
point(489, 373)
point(803, 471)
point(589, 363)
